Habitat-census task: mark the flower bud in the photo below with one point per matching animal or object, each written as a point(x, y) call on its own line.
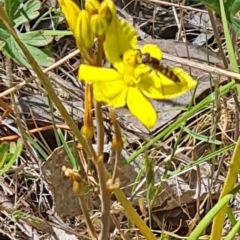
point(98, 25)
point(71, 11)
point(112, 185)
point(117, 144)
point(83, 33)
point(80, 188)
point(108, 10)
point(87, 131)
point(92, 6)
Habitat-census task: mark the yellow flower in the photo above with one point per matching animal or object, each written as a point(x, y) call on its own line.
point(132, 83)
point(120, 87)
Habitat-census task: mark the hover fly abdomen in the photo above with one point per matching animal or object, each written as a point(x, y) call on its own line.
point(158, 66)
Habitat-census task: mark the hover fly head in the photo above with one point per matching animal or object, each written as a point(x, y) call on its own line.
point(148, 59)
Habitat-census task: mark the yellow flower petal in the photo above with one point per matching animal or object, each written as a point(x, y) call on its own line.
point(107, 90)
point(187, 81)
point(142, 71)
point(141, 108)
point(112, 93)
point(153, 50)
point(166, 88)
point(108, 86)
point(97, 74)
point(120, 37)
point(70, 10)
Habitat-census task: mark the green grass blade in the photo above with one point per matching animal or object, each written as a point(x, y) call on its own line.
point(36, 146)
point(168, 131)
point(15, 155)
point(204, 223)
point(227, 187)
point(201, 137)
point(232, 218)
point(68, 151)
point(3, 160)
point(233, 232)
point(200, 161)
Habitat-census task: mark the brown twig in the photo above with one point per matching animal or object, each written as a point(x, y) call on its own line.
point(117, 143)
point(90, 227)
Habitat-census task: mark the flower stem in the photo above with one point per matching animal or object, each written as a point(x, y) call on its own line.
point(100, 128)
point(89, 224)
point(105, 200)
point(99, 163)
point(117, 143)
point(133, 215)
point(100, 50)
point(104, 195)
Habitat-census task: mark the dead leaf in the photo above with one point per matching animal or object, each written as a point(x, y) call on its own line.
point(66, 203)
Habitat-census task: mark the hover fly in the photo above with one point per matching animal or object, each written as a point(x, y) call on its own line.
point(159, 67)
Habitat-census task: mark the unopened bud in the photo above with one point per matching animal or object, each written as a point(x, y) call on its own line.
point(71, 11)
point(98, 25)
point(112, 185)
point(80, 188)
point(83, 33)
point(108, 10)
point(92, 6)
point(117, 144)
point(87, 131)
